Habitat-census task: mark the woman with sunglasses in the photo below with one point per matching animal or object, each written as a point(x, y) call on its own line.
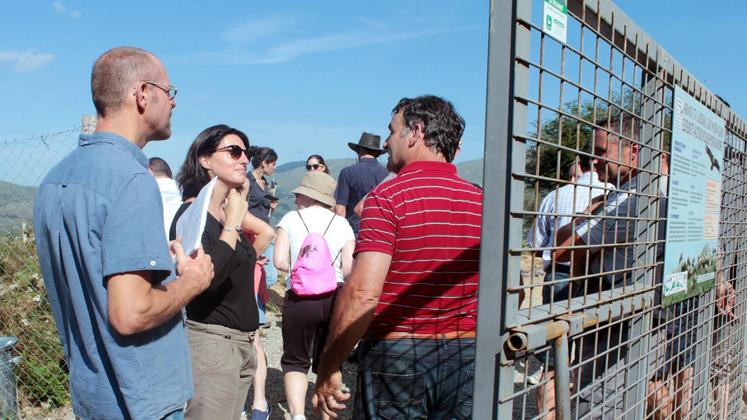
point(316, 163)
point(222, 321)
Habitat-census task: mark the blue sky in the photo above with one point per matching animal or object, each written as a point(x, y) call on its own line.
point(304, 77)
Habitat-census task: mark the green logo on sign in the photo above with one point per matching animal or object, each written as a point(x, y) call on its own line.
point(548, 22)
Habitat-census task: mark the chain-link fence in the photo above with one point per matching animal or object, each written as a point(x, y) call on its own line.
point(24, 309)
point(612, 270)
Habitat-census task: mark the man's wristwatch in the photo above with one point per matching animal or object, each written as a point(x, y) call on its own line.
point(236, 228)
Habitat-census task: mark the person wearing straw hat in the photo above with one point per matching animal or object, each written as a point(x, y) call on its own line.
point(355, 181)
point(306, 317)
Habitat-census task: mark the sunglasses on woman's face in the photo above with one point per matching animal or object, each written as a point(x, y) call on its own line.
point(234, 150)
point(315, 166)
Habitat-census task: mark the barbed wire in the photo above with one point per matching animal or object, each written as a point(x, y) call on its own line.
point(42, 137)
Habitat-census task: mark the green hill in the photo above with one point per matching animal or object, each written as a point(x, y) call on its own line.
point(471, 170)
point(16, 206)
point(288, 176)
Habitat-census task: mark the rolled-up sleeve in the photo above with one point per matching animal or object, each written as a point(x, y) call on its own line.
point(133, 238)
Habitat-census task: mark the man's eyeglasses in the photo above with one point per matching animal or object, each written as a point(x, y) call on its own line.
point(233, 150)
point(169, 90)
point(315, 166)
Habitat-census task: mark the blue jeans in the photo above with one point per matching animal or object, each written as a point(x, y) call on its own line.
point(174, 415)
point(558, 291)
point(260, 310)
point(270, 270)
point(415, 379)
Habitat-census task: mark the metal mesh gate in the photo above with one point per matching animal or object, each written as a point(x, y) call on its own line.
point(578, 156)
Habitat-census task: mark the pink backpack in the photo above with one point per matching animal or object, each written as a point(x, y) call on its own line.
point(314, 271)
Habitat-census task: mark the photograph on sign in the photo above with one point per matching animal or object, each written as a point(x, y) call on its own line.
point(693, 204)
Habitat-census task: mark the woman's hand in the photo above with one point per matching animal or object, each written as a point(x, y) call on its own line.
point(237, 205)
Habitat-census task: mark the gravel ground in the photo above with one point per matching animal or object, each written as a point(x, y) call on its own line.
point(272, 341)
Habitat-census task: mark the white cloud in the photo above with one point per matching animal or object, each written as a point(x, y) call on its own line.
point(250, 31)
point(58, 6)
point(336, 42)
point(241, 48)
point(61, 8)
point(26, 61)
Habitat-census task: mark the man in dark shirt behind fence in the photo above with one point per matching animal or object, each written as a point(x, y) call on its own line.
point(611, 234)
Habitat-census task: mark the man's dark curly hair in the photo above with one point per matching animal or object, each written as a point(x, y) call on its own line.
point(442, 126)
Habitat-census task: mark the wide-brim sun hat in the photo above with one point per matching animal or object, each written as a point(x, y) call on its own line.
point(369, 142)
point(318, 186)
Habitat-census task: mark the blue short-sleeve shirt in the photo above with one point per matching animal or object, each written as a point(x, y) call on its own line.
point(354, 182)
point(98, 213)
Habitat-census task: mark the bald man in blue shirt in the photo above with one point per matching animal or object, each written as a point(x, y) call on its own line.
point(116, 294)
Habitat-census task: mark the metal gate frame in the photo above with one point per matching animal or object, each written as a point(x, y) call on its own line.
point(506, 114)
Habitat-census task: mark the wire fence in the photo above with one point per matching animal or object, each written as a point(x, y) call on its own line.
point(24, 308)
point(597, 317)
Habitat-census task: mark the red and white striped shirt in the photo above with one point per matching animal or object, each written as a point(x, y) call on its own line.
point(428, 219)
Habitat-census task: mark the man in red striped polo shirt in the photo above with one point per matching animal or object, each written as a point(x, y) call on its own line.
point(412, 294)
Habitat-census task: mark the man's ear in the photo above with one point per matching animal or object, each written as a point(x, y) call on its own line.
point(141, 97)
point(633, 150)
point(418, 134)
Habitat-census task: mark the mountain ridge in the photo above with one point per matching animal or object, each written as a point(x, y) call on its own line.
point(17, 201)
point(288, 176)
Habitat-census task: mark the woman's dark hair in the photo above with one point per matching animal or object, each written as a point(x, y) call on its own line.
point(320, 159)
point(192, 176)
point(262, 154)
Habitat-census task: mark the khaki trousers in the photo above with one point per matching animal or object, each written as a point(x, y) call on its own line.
point(223, 365)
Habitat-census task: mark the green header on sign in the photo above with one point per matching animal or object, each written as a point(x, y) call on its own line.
point(558, 4)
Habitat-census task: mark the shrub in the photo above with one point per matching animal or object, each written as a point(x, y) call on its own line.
point(26, 314)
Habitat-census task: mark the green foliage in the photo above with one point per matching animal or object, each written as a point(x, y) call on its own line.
point(570, 132)
point(26, 314)
point(551, 161)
